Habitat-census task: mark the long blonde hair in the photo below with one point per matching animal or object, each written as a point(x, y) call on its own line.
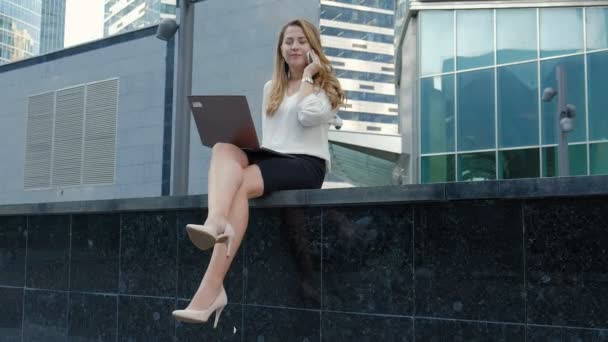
point(324, 79)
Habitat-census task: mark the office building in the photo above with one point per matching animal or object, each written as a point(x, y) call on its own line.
point(126, 15)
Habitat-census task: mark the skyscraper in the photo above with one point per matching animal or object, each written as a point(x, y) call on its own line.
point(358, 39)
point(125, 15)
point(52, 27)
point(19, 29)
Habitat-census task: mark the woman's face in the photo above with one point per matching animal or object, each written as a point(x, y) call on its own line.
point(294, 47)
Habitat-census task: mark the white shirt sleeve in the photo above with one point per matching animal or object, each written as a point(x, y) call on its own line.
point(315, 109)
point(265, 94)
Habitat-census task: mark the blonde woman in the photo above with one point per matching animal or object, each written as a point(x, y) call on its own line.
point(298, 105)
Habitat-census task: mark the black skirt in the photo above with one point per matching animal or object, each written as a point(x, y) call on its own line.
point(279, 173)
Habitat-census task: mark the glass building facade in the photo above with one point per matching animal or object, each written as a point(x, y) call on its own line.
point(19, 29)
point(358, 39)
point(481, 76)
point(124, 15)
point(52, 28)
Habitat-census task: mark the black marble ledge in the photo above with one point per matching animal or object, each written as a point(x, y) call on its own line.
point(415, 193)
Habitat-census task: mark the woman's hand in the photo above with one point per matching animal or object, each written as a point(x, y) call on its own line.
point(313, 68)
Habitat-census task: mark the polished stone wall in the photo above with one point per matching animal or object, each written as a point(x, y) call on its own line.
point(469, 270)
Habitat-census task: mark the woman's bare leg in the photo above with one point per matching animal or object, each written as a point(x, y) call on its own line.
point(225, 178)
point(252, 186)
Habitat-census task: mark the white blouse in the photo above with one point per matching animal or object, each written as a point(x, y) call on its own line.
point(298, 127)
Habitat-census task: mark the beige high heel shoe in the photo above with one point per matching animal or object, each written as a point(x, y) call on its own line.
point(205, 236)
point(202, 316)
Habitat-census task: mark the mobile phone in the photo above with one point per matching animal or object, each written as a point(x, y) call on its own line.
point(308, 57)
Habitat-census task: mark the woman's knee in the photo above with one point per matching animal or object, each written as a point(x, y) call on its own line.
point(225, 150)
point(253, 183)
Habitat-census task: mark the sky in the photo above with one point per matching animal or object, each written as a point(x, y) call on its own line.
point(83, 21)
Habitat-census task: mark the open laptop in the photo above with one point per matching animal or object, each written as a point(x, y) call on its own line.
point(227, 119)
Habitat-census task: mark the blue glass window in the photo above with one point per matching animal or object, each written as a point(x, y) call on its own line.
point(368, 36)
point(437, 114)
point(523, 163)
point(577, 160)
point(476, 110)
point(598, 157)
point(475, 38)
point(364, 76)
point(575, 73)
point(369, 117)
point(361, 55)
point(561, 31)
point(436, 42)
point(354, 16)
point(597, 65)
point(516, 42)
point(518, 105)
point(371, 97)
point(383, 4)
point(597, 28)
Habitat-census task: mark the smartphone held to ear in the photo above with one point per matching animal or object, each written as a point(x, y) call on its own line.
point(308, 57)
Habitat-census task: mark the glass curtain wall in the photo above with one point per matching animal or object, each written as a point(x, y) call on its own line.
point(482, 74)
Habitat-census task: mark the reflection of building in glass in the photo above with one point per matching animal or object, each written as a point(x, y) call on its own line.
point(19, 29)
point(476, 76)
point(126, 15)
point(358, 37)
point(52, 27)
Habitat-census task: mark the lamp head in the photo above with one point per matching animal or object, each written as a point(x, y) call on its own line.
point(166, 29)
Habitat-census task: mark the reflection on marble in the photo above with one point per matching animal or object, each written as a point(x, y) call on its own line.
point(567, 262)
point(45, 316)
point(145, 319)
point(341, 327)
point(282, 258)
point(229, 328)
point(148, 254)
point(11, 313)
point(48, 250)
point(551, 334)
point(367, 259)
point(95, 247)
point(12, 250)
point(92, 317)
point(192, 262)
point(273, 324)
point(444, 330)
point(469, 261)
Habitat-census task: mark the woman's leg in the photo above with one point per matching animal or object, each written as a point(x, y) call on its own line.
point(225, 178)
point(252, 186)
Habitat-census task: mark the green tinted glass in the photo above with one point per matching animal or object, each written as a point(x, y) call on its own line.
point(515, 42)
point(476, 110)
point(597, 28)
point(561, 31)
point(577, 155)
point(475, 38)
point(437, 114)
point(477, 166)
point(598, 157)
point(519, 164)
point(436, 42)
point(437, 169)
point(598, 95)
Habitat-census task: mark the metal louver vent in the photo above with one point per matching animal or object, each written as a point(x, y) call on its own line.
point(67, 140)
point(71, 136)
point(37, 171)
point(100, 132)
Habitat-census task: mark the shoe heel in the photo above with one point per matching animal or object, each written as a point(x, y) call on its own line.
point(218, 312)
point(227, 238)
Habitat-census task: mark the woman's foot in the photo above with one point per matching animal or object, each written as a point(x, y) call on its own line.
point(195, 314)
point(213, 231)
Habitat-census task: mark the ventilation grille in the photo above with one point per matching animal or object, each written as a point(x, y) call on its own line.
point(71, 136)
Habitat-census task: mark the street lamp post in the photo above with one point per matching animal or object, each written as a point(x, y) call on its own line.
point(183, 79)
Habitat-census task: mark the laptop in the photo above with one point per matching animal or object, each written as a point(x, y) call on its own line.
point(227, 119)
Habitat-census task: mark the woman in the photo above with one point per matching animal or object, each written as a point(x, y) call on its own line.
point(298, 105)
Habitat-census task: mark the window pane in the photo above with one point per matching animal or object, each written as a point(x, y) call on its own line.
point(518, 105)
point(597, 28)
point(561, 31)
point(436, 42)
point(598, 95)
point(437, 114)
point(519, 164)
point(577, 158)
point(475, 38)
point(477, 166)
point(598, 155)
point(515, 42)
point(575, 73)
point(437, 169)
point(476, 110)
